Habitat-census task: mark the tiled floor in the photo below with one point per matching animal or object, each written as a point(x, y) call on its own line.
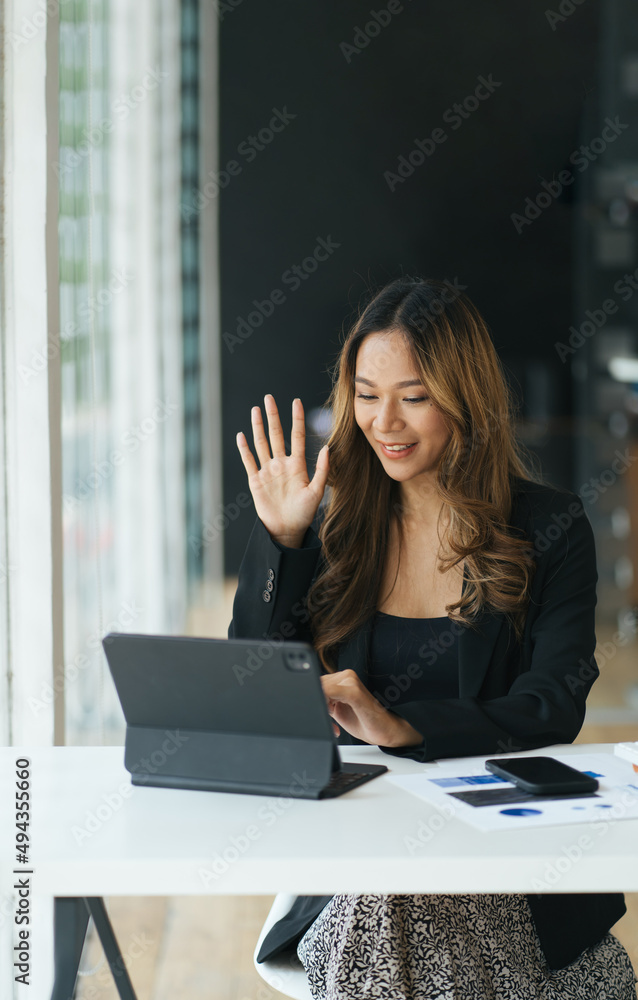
point(185, 948)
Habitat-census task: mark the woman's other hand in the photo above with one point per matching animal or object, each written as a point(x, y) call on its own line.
point(358, 711)
point(286, 500)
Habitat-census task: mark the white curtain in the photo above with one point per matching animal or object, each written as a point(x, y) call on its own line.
point(124, 534)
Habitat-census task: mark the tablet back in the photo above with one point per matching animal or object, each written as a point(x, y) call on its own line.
point(223, 714)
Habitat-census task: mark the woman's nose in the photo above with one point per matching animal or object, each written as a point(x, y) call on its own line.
point(387, 418)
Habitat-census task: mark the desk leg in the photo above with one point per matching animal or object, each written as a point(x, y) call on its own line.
point(70, 920)
point(71, 916)
point(95, 906)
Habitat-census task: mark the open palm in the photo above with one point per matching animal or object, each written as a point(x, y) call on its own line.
point(285, 499)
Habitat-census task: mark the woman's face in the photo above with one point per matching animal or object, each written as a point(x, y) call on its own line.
point(392, 407)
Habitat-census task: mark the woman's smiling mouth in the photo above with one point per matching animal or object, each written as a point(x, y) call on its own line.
point(397, 450)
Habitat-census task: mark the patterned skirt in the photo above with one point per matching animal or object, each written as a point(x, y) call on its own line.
point(449, 947)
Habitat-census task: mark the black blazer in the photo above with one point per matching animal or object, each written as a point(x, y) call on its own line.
point(513, 695)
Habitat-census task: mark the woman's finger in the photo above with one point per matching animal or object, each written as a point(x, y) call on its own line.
point(298, 434)
point(259, 436)
point(247, 457)
point(275, 431)
point(320, 478)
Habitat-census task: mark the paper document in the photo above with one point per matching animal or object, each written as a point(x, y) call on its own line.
point(488, 802)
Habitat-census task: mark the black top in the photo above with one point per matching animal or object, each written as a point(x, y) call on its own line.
point(413, 659)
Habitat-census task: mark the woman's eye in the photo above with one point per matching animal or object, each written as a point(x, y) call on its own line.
point(411, 399)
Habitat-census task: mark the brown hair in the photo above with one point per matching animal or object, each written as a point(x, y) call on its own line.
point(452, 350)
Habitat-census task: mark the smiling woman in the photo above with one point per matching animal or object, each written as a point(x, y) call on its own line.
point(431, 525)
point(419, 368)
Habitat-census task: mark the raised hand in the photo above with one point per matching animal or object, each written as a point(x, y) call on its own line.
point(286, 500)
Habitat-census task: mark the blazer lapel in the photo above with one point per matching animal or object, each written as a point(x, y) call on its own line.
point(476, 648)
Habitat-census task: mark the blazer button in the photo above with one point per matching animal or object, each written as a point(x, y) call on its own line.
point(271, 574)
point(266, 595)
point(270, 585)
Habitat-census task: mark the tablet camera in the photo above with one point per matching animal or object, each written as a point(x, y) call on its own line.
point(297, 661)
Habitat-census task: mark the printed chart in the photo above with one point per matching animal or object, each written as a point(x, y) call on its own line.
point(471, 793)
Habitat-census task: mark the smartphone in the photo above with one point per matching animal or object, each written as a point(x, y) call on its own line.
point(543, 776)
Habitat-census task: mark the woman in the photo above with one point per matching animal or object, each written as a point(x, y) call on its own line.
point(438, 549)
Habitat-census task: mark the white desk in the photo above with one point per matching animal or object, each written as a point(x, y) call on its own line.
point(90, 839)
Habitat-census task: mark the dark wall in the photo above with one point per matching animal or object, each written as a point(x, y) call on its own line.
point(322, 176)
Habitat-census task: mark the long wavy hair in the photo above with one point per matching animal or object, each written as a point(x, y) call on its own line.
point(451, 348)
